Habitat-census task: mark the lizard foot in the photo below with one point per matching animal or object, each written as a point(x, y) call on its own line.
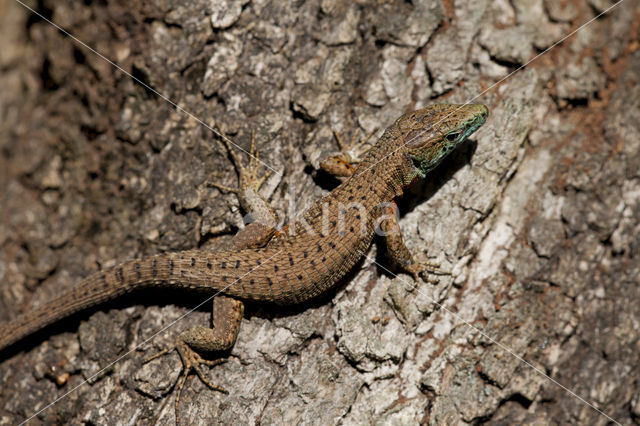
point(248, 175)
point(420, 270)
point(354, 147)
point(341, 164)
point(249, 182)
point(191, 360)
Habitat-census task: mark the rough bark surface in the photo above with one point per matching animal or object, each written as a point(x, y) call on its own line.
point(538, 217)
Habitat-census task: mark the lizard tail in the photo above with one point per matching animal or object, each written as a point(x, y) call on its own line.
point(95, 289)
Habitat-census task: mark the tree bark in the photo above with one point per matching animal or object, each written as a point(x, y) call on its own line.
point(537, 217)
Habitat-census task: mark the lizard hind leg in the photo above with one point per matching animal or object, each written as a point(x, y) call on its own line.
point(250, 181)
point(227, 315)
point(227, 312)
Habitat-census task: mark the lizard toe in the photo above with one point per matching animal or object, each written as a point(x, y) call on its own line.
point(191, 361)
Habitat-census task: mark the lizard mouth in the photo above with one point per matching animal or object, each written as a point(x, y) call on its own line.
point(478, 116)
point(478, 119)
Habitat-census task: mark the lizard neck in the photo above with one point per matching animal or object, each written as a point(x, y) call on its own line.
point(387, 166)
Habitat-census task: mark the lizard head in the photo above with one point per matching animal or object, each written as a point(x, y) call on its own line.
point(431, 133)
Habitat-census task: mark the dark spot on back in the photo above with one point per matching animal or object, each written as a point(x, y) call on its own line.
point(319, 248)
point(223, 265)
point(290, 260)
point(154, 267)
point(170, 266)
point(193, 261)
point(251, 281)
point(269, 281)
point(137, 269)
point(305, 254)
point(332, 245)
point(120, 275)
point(209, 266)
point(276, 268)
point(299, 277)
point(237, 264)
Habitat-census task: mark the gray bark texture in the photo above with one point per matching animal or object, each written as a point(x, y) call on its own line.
point(537, 217)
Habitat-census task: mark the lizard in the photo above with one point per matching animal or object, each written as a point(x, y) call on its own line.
point(287, 266)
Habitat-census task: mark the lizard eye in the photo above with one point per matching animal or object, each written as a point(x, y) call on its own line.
point(452, 137)
point(416, 163)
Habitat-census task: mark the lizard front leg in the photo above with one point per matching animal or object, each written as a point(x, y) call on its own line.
point(227, 311)
point(398, 251)
point(342, 164)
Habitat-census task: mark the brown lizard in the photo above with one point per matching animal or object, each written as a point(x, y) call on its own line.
point(300, 261)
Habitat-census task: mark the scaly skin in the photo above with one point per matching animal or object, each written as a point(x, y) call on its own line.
point(300, 261)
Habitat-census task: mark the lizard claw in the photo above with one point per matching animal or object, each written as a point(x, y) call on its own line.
point(355, 147)
point(421, 269)
point(248, 175)
point(250, 180)
point(341, 164)
point(191, 361)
